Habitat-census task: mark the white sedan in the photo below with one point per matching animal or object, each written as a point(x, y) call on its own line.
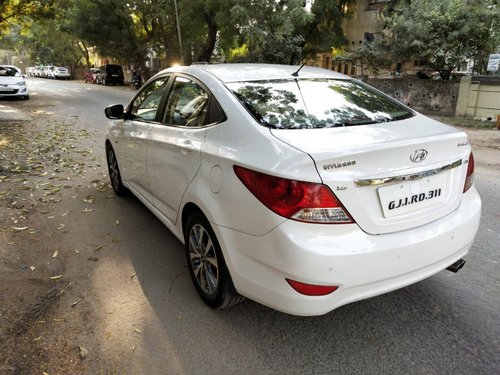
point(61, 72)
point(12, 83)
point(299, 188)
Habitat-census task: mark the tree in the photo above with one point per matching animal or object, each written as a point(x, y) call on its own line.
point(204, 24)
point(441, 33)
point(105, 24)
point(286, 31)
point(155, 27)
point(325, 32)
point(49, 45)
point(272, 29)
point(14, 12)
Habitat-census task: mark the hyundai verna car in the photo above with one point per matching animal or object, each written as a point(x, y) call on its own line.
point(303, 190)
point(12, 83)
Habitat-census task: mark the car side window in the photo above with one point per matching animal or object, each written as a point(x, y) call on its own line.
point(146, 103)
point(187, 104)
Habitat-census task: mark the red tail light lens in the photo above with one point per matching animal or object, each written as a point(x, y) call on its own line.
point(296, 200)
point(469, 180)
point(312, 290)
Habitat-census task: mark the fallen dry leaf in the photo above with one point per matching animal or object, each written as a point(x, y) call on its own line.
point(84, 353)
point(19, 229)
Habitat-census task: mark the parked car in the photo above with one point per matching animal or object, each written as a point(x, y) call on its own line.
point(91, 75)
point(111, 74)
point(300, 188)
point(44, 72)
point(61, 72)
point(12, 83)
point(50, 72)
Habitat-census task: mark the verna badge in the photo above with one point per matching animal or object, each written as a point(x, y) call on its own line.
point(418, 155)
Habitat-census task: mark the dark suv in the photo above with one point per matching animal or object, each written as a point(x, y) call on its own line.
point(110, 73)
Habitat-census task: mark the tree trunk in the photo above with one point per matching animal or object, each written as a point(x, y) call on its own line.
point(207, 50)
point(85, 52)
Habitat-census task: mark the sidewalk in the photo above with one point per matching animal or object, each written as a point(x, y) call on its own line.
point(9, 113)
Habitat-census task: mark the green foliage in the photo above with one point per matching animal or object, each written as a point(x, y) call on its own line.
point(325, 32)
point(155, 27)
point(274, 31)
point(14, 11)
point(287, 31)
point(204, 24)
point(49, 45)
point(442, 33)
point(105, 24)
point(238, 54)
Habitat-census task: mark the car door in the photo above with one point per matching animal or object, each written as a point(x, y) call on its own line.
point(174, 146)
point(141, 115)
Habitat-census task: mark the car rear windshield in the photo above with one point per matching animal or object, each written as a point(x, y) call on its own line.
point(113, 69)
point(316, 103)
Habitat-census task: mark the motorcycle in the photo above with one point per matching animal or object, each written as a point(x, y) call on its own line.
point(137, 81)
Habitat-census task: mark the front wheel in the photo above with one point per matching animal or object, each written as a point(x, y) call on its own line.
point(114, 173)
point(206, 264)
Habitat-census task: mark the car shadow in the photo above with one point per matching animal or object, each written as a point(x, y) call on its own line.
point(424, 328)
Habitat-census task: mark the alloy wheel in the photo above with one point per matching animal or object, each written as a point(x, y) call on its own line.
point(203, 258)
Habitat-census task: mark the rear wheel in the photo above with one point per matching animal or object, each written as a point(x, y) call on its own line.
point(206, 264)
point(114, 172)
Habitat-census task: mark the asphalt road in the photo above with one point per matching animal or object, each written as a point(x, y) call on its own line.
point(149, 320)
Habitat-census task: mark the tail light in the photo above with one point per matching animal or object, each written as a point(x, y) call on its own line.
point(296, 200)
point(469, 180)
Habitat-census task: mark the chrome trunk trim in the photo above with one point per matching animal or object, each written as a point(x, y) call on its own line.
point(407, 177)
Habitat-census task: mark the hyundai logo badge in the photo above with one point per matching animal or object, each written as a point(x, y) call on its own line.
point(418, 155)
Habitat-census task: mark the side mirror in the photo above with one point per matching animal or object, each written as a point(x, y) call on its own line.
point(114, 112)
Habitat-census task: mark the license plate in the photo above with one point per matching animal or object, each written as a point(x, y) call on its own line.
point(6, 89)
point(114, 75)
point(411, 196)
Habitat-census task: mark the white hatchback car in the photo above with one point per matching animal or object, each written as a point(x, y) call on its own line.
point(302, 189)
point(12, 83)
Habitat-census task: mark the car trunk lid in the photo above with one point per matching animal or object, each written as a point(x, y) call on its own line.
point(370, 169)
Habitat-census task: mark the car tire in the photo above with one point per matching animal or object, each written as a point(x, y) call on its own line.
point(114, 172)
point(206, 264)
point(26, 97)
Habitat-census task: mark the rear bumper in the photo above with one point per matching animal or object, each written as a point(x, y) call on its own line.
point(362, 265)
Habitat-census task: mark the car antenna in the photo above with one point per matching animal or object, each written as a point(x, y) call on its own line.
point(296, 74)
